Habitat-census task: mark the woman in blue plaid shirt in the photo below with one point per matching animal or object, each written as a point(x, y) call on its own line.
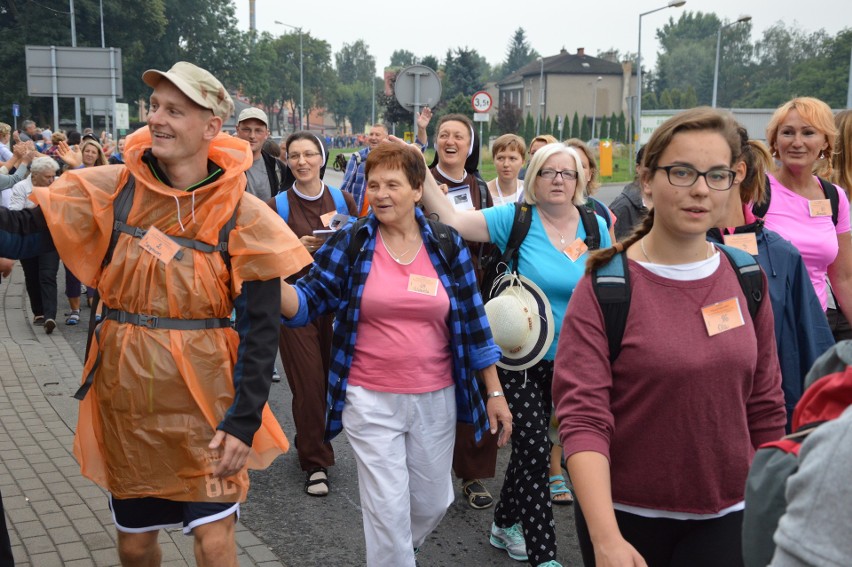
point(411, 334)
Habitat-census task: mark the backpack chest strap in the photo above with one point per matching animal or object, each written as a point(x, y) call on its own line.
point(138, 232)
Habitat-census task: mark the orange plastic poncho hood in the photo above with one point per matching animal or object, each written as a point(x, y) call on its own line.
point(159, 394)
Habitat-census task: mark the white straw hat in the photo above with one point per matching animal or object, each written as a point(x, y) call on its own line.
point(521, 322)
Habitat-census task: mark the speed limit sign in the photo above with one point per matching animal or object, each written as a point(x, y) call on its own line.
point(481, 102)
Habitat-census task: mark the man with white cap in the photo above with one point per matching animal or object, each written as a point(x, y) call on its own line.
point(173, 407)
point(266, 174)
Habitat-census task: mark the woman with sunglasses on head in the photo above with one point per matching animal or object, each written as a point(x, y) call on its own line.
point(802, 333)
point(552, 256)
point(308, 206)
point(658, 441)
point(801, 136)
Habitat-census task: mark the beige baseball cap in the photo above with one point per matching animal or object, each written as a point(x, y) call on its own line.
point(198, 84)
point(255, 113)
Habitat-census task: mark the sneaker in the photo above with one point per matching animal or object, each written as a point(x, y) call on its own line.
point(511, 540)
point(550, 563)
point(38, 320)
point(49, 325)
point(275, 376)
point(73, 318)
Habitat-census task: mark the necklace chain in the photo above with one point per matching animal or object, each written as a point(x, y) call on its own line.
point(398, 257)
point(553, 226)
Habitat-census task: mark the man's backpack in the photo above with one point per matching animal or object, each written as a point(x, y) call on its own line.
point(829, 394)
point(496, 264)
point(827, 187)
point(611, 283)
point(283, 205)
point(121, 206)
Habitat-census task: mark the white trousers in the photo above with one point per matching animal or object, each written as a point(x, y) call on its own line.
point(403, 445)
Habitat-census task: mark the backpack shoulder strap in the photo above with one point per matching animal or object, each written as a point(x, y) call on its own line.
point(590, 225)
point(483, 192)
point(339, 201)
point(120, 210)
point(224, 236)
point(357, 240)
point(761, 209)
point(446, 242)
point(831, 194)
point(611, 284)
point(749, 273)
point(520, 227)
point(600, 209)
point(282, 204)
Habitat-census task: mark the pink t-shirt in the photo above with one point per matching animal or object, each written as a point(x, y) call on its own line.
point(403, 341)
point(815, 237)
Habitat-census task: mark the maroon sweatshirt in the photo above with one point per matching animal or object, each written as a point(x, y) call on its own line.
point(679, 414)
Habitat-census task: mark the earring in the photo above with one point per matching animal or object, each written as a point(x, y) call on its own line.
point(774, 153)
point(822, 154)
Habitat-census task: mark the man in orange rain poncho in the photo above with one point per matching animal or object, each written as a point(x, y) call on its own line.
point(177, 410)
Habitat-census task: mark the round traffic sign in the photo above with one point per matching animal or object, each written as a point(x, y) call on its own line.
point(481, 102)
point(417, 85)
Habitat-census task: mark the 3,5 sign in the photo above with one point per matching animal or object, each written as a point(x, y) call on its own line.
point(481, 102)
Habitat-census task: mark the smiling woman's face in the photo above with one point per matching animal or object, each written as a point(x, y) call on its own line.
point(453, 143)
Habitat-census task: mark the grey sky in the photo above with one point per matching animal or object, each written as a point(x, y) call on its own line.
point(550, 24)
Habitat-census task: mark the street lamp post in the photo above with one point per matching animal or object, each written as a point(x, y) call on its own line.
point(595, 105)
point(718, 51)
point(541, 97)
point(638, 132)
point(301, 74)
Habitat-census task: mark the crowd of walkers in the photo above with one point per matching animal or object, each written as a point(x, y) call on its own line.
point(635, 357)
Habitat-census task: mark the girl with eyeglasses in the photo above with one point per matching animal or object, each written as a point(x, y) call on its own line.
point(659, 440)
point(306, 351)
point(553, 256)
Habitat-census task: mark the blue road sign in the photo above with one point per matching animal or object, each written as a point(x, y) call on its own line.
point(16, 110)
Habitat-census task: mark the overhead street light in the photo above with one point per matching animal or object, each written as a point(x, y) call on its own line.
point(718, 51)
point(301, 74)
point(637, 133)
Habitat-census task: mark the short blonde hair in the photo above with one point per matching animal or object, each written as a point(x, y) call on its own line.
point(541, 156)
point(593, 183)
point(509, 143)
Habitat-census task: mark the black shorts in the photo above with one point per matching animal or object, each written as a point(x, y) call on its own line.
point(138, 515)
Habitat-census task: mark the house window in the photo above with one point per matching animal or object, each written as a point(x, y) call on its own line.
point(529, 97)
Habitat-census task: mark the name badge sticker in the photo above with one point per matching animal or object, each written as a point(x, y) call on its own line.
point(575, 249)
point(820, 208)
point(326, 218)
point(156, 243)
point(722, 316)
point(747, 242)
point(423, 285)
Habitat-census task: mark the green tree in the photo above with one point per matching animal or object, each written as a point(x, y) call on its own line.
point(465, 72)
point(354, 63)
point(621, 130)
point(575, 127)
point(509, 119)
point(602, 128)
point(518, 53)
point(431, 61)
point(688, 54)
point(319, 77)
point(566, 128)
point(529, 129)
point(586, 128)
point(548, 127)
point(401, 58)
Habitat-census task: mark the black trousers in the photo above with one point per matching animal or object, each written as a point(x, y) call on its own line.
point(664, 542)
point(40, 280)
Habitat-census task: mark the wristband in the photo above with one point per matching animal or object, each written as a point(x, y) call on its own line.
point(495, 395)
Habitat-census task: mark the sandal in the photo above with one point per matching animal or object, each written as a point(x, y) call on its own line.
point(73, 318)
point(558, 489)
point(477, 495)
point(316, 482)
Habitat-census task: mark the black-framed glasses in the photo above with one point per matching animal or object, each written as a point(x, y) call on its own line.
point(718, 179)
point(566, 174)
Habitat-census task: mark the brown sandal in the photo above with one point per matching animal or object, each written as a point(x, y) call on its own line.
point(477, 495)
point(316, 482)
